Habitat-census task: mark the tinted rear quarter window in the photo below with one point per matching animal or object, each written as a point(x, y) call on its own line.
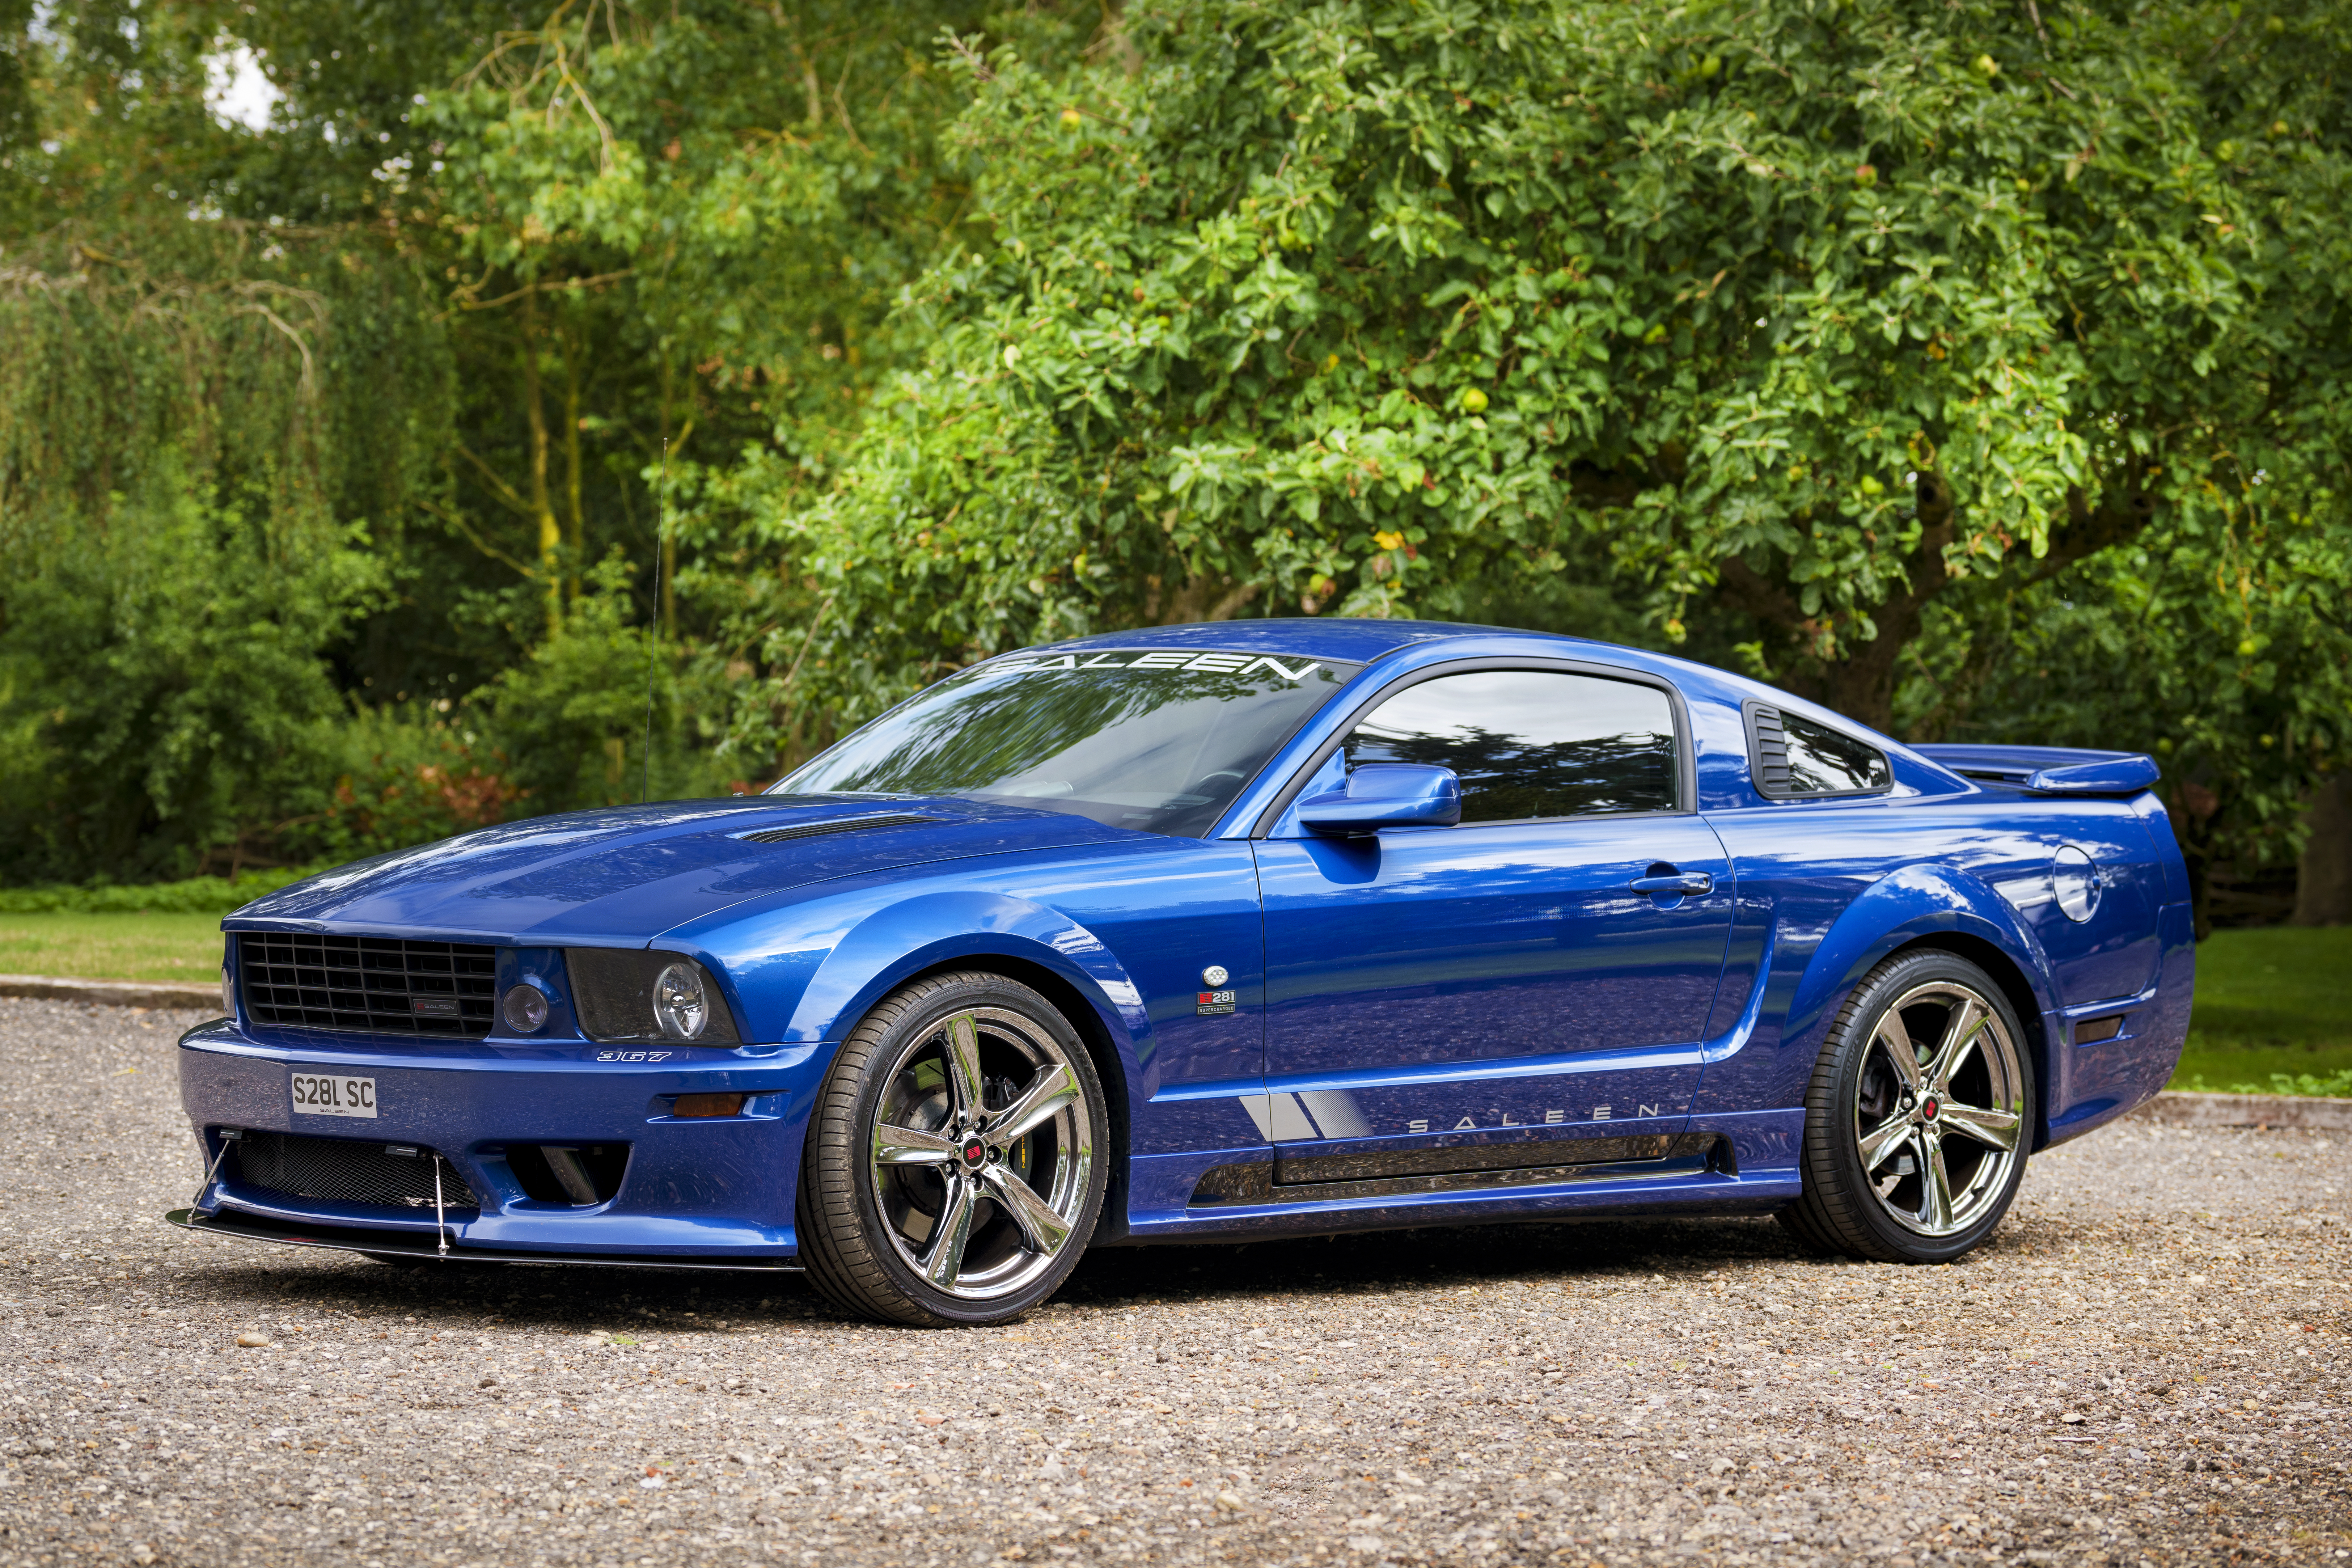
point(1794, 756)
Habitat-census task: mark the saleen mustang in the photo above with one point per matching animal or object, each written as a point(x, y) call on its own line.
point(1251, 929)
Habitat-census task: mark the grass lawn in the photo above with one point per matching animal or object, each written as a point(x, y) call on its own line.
point(2276, 1001)
point(2273, 1001)
point(113, 947)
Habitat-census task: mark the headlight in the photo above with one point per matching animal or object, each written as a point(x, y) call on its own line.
point(681, 1007)
point(636, 997)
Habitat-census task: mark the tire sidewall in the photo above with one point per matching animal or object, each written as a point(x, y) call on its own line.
point(1879, 991)
point(959, 994)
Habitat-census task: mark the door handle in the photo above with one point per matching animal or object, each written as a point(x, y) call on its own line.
point(1680, 882)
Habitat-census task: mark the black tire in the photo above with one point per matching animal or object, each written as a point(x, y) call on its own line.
point(951, 1058)
point(1907, 1165)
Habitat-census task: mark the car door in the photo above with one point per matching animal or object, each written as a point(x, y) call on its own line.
point(1527, 988)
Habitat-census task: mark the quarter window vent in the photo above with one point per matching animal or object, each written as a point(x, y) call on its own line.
point(1771, 751)
point(840, 825)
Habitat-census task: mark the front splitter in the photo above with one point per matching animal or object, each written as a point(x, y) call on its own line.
point(407, 1246)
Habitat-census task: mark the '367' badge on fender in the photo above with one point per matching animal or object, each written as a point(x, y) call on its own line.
point(1208, 1001)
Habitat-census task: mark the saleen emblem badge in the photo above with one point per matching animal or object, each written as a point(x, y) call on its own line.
point(1207, 1002)
point(1206, 663)
point(1548, 1119)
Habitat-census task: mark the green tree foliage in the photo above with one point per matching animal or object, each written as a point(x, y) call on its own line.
point(1805, 312)
point(167, 676)
point(191, 452)
point(2223, 653)
point(1977, 368)
point(335, 455)
point(680, 234)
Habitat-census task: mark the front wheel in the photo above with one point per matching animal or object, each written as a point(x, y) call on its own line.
point(1918, 1115)
point(953, 1172)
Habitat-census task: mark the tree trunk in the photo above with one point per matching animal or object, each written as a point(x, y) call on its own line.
point(1858, 678)
point(574, 515)
point(2323, 887)
point(542, 506)
point(669, 570)
point(1860, 683)
point(2191, 806)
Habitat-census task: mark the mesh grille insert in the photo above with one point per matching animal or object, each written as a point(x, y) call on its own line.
point(346, 1171)
point(376, 983)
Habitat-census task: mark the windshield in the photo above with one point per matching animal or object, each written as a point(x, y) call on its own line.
point(1152, 740)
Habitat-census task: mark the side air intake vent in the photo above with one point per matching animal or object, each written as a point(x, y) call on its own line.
point(841, 825)
point(1771, 750)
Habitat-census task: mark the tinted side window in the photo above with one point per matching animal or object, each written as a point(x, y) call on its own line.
point(1797, 756)
point(1531, 743)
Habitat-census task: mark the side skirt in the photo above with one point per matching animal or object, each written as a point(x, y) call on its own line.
point(1617, 1160)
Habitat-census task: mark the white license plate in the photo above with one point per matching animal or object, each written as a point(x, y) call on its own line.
point(317, 1095)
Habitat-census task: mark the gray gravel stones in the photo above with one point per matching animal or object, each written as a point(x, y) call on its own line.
point(2147, 1365)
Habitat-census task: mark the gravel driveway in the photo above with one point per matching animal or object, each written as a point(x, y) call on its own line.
point(2148, 1365)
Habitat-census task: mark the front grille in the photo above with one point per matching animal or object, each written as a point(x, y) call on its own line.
point(346, 1171)
point(377, 984)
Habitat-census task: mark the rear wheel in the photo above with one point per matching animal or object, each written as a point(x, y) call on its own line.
point(952, 1173)
point(1917, 1116)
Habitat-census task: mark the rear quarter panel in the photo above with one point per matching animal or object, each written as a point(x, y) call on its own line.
point(1827, 890)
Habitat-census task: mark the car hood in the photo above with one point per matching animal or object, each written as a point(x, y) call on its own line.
point(625, 874)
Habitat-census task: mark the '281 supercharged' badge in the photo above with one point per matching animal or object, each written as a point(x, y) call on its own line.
point(1206, 1002)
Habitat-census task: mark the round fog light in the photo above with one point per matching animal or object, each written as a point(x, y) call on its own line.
point(679, 1006)
point(524, 1008)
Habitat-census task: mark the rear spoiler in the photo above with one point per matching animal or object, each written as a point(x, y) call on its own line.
point(2048, 770)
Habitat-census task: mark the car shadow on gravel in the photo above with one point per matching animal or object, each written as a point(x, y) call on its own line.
point(1108, 1278)
point(1430, 1259)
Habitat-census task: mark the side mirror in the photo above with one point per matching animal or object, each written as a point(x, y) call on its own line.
point(1385, 795)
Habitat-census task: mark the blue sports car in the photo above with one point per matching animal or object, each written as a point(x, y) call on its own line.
point(1212, 931)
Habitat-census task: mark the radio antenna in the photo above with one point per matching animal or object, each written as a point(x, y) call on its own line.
point(653, 637)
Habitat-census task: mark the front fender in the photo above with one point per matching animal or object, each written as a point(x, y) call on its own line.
point(894, 943)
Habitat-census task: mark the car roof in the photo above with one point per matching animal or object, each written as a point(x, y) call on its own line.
point(1345, 638)
point(1339, 637)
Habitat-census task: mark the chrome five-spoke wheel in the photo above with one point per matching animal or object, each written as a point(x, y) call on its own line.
point(1919, 1116)
point(1937, 1109)
point(983, 1155)
point(953, 1172)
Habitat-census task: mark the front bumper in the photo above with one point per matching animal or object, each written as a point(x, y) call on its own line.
point(710, 1188)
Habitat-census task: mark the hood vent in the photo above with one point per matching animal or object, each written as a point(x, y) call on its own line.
point(839, 824)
